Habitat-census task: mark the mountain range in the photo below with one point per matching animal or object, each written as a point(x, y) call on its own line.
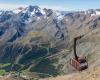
point(41, 40)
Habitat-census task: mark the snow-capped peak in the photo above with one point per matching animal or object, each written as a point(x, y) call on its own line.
point(34, 10)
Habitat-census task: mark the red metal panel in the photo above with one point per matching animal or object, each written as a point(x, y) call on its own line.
point(75, 63)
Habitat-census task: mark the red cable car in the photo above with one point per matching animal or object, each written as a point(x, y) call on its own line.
point(77, 62)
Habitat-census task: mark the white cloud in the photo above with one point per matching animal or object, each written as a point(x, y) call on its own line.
point(9, 6)
point(54, 7)
point(14, 6)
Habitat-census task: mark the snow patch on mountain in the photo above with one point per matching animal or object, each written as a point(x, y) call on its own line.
point(59, 15)
point(0, 12)
point(97, 12)
point(92, 12)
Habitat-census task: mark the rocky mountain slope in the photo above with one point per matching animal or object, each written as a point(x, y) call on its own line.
point(40, 41)
point(93, 74)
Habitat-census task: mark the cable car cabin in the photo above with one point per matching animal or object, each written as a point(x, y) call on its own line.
point(77, 62)
point(80, 64)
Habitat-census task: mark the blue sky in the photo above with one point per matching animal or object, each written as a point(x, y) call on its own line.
point(55, 4)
